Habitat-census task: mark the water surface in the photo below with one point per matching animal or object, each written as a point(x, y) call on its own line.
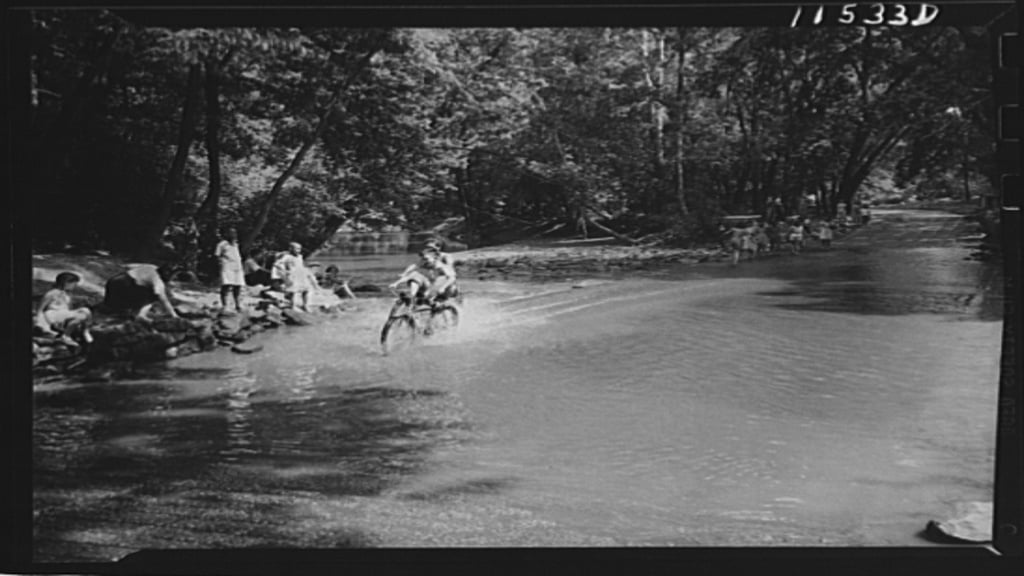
point(841, 397)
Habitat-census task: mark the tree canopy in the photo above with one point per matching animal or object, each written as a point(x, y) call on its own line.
point(288, 133)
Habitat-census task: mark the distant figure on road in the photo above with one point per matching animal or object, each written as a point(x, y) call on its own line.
point(138, 287)
point(865, 214)
point(841, 214)
point(781, 233)
point(825, 233)
point(55, 316)
point(796, 237)
point(775, 211)
point(814, 208)
point(232, 274)
point(761, 241)
point(740, 241)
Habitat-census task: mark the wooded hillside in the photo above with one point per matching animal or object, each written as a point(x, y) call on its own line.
point(139, 133)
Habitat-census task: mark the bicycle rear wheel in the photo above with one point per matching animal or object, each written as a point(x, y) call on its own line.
point(444, 317)
point(399, 333)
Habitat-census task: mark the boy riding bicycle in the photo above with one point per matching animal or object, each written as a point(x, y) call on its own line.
point(446, 259)
point(428, 280)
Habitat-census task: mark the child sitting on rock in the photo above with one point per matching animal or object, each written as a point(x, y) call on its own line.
point(255, 274)
point(55, 316)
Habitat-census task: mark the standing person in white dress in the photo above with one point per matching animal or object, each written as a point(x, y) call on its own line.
point(232, 274)
point(294, 276)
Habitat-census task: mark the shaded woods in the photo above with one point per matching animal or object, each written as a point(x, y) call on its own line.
point(147, 140)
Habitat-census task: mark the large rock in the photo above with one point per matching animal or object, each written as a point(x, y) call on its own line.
point(149, 341)
point(970, 522)
point(228, 324)
point(131, 341)
point(172, 326)
point(204, 337)
point(297, 317)
point(246, 348)
point(191, 310)
point(47, 350)
point(274, 317)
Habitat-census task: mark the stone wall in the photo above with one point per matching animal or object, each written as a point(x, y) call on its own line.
point(364, 243)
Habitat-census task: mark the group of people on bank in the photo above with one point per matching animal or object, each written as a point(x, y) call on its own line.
point(288, 273)
point(140, 287)
point(774, 230)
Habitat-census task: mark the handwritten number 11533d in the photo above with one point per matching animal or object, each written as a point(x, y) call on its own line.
point(872, 15)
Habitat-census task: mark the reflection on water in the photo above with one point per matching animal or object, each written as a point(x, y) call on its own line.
point(239, 415)
point(889, 281)
point(300, 383)
point(844, 397)
point(358, 266)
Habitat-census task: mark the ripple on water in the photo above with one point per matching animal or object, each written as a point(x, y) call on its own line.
point(722, 409)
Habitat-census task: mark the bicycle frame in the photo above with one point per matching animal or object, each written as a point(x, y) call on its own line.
point(405, 306)
point(417, 315)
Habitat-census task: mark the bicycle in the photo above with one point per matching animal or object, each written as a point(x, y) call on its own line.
point(408, 321)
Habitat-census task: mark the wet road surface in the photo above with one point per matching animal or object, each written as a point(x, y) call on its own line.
point(841, 397)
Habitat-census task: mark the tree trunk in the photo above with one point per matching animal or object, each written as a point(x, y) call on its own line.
point(176, 174)
point(751, 157)
point(681, 120)
point(207, 215)
point(324, 117)
point(861, 167)
point(657, 128)
point(740, 192)
point(326, 232)
point(461, 186)
point(33, 78)
point(660, 109)
point(967, 176)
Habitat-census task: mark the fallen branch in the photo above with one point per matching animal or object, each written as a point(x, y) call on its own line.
point(558, 226)
point(608, 230)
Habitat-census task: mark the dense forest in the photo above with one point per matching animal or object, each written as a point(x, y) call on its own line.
point(142, 134)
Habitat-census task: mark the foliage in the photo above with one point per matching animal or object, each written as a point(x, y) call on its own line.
point(646, 130)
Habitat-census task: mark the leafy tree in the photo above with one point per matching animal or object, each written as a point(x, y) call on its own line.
point(289, 133)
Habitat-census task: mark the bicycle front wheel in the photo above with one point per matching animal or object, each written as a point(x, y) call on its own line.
point(444, 318)
point(399, 333)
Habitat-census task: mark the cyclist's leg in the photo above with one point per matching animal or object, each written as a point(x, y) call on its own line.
point(418, 284)
point(442, 288)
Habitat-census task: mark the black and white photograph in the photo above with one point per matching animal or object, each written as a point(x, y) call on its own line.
point(301, 284)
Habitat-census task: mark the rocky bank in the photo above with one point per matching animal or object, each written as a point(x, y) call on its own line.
point(121, 340)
